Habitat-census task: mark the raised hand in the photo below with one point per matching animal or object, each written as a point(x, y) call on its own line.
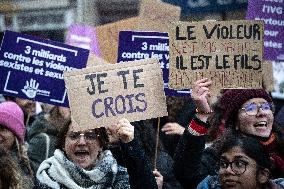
point(173, 129)
point(122, 131)
point(200, 94)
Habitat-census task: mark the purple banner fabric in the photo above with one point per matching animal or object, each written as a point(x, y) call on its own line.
point(83, 37)
point(271, 11)
point(135, 45)
point(32, 68)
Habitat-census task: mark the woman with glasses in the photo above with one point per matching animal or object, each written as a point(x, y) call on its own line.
point(248, 112)
point(243, 163)
point(82, 161)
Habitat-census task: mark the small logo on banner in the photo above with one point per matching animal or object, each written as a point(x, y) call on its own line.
point(31, 89)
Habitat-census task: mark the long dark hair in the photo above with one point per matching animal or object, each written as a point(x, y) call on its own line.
point(250, 146)
point(10, 173)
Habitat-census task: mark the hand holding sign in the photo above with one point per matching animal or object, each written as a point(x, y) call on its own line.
point(123, 131)
point(30, 88)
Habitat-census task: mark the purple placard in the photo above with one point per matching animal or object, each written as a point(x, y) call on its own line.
point(83, 37)
point(134, 45)
point(271, 11)
point(32, 68)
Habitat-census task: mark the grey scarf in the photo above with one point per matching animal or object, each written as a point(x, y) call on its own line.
point(58, 172)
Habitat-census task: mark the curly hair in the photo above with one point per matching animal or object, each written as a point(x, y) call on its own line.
point(10, 174)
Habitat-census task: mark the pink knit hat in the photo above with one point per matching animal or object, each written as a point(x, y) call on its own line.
point(12, 117)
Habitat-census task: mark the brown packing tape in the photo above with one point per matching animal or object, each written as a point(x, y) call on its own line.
point(108, 37)
point(156, 15)
point(233, 48)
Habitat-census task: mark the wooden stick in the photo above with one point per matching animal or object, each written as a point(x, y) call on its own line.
point(157, 143)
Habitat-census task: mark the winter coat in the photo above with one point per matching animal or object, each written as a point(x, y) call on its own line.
point(165, 167)
point(213, 182)
point(58, 172)
point(193, 162)
point(131, 156)
point(42, 138)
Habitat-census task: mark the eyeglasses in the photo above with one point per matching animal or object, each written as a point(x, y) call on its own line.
point(237, 166)
point(253, 108)
point(88, 135)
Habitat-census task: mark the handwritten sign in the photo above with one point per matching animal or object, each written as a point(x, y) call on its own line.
point(157, 16)
point(107, 93)
point(229, 53)
point(271, 12)
point(108, 37)
point(135, 45)
point(83, 36)
point(32, 68)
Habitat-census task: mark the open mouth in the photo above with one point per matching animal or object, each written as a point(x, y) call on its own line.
point(81, 154)
point(261, 124)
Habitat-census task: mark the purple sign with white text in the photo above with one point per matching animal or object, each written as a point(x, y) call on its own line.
point(271, 12)
point(32, 68)
point(136, 45)
point(83, 37)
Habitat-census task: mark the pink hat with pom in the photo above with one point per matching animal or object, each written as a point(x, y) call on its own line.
point(12, 117)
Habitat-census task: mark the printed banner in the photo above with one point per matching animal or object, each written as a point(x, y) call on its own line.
point(32, 68)
point(228, 52)
point(271, 12)
point(114, 91)
point(84, 37)
point(134, 45)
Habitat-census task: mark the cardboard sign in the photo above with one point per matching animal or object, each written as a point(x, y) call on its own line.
point(134, 45)
point(108, 93)
point(108, 37)
point(83, 37)
point(32, 68)
point(93, 60)
point(157, 16)
point(271, 12)
point(227, 52)
point(268, 80)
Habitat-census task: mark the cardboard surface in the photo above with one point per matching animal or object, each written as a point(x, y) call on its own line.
point(228, 52)
point(268, 79)
point(32, 68)
point(157, 16)
point(94, 60)
point(133, 90)
point(108, 37)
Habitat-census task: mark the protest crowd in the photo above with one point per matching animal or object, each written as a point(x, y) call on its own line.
point(156, 101)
